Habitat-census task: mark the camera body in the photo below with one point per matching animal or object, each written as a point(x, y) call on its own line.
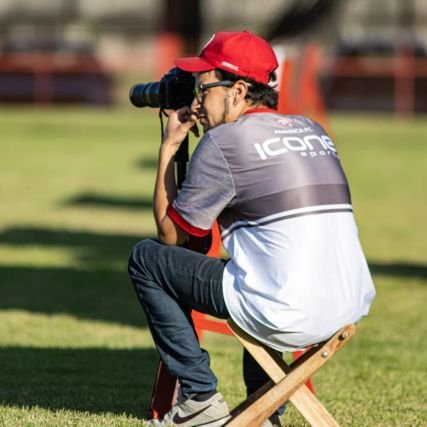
point(174, 90)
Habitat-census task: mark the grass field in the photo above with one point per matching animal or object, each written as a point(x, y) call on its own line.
point(75, 189)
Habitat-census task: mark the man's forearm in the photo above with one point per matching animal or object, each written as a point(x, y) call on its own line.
point(165, 192)
point(165, 188)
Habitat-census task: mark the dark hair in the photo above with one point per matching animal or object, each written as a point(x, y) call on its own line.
point(258, 93)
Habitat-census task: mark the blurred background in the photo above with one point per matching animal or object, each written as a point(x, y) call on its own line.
point(77, 169)
point(372, 54)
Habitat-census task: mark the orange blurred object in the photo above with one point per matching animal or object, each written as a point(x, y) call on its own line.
point(299, 89)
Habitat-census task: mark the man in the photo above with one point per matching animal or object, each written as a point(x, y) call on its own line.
point(296, 272)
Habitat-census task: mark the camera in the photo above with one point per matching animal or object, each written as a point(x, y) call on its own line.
point(174, 90)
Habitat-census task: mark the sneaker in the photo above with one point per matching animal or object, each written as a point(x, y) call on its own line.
point(273, 421)
point(213, 412)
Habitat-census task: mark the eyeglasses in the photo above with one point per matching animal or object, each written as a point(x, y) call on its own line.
point(200, 88)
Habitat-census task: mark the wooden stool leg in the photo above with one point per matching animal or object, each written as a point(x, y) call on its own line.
point(289, 381)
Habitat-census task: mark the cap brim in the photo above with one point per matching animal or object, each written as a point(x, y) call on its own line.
point(193, 64)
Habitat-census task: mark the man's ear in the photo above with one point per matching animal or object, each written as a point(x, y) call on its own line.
point(240, 90)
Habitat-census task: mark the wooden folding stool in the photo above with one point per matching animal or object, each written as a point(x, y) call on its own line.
point(287, 381)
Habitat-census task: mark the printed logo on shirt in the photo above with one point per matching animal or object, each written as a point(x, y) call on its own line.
point(292, 125)
point(293, 130)
point(291, 122)
point(307, 146)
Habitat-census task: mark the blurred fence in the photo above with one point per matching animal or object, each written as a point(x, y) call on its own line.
point(395, 83)
point(46, 78)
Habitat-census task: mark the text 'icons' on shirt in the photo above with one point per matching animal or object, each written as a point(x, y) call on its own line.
point(306, 146)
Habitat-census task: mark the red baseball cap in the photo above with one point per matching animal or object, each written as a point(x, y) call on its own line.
point(239, 52)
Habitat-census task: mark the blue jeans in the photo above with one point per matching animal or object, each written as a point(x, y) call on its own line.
point(170, 281)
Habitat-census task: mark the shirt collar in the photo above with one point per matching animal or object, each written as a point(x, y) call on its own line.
point(260, 110)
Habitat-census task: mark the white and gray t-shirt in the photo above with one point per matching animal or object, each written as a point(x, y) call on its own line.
point(297, 272)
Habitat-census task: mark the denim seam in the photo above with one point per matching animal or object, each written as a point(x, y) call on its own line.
point(178, 269)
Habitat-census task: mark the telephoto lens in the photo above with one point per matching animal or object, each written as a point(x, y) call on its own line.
point(145, 95)
point(173, 91)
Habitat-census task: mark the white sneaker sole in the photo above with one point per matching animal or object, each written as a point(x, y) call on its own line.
point(216, 423)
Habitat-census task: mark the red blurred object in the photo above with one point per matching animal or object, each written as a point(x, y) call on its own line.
point(48, 71)
point(299, 87)
point(377, 76)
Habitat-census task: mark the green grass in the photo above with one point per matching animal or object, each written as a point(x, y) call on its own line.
point(75, 189)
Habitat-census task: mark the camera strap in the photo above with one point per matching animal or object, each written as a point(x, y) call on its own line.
point(162, 126)
point(181, 156)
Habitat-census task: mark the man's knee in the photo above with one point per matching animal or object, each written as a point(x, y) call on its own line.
point(139, 254)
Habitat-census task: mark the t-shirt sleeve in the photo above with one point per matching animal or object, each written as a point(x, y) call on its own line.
point(206, 191)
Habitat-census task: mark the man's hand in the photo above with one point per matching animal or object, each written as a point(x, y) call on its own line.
point(180, 122)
